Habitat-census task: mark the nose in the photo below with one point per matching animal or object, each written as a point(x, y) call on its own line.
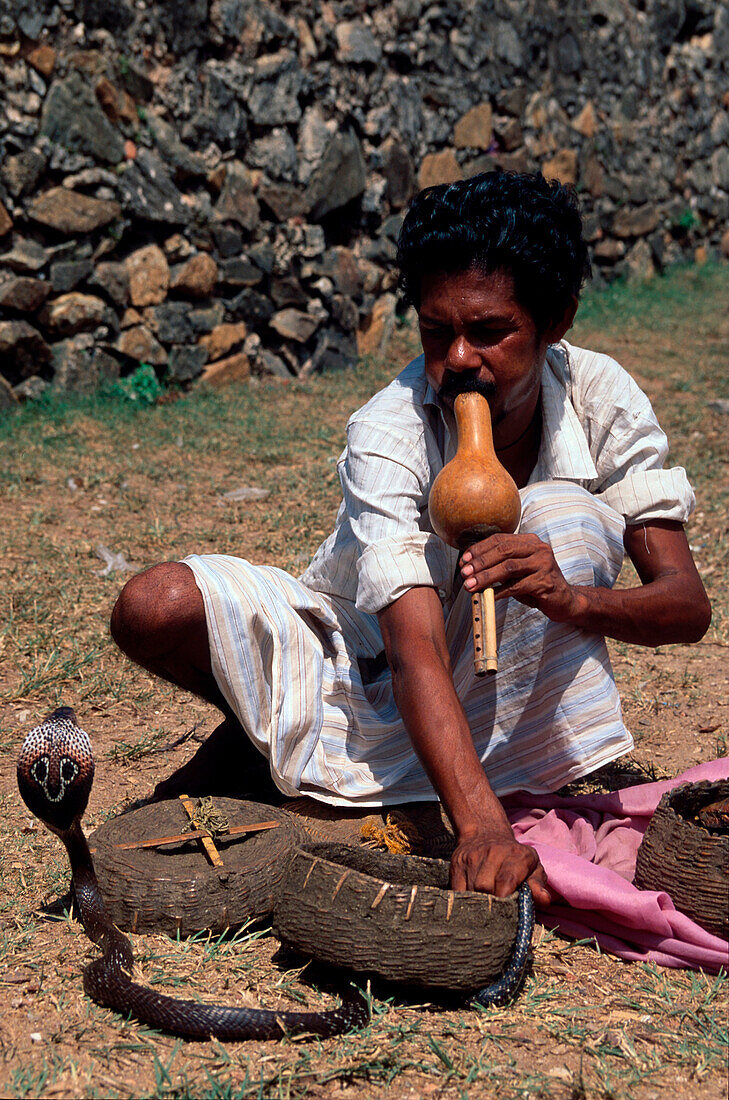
point(462, 355)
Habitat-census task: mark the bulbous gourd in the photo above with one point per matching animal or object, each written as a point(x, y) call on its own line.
point(473, 496)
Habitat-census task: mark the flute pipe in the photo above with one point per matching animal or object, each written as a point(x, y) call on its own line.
point(483, 613)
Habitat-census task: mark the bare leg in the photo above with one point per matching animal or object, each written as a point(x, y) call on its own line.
point(159, 622)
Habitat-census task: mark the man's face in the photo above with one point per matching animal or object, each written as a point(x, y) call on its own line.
point(471, 324)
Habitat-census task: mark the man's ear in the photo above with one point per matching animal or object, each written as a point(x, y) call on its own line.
point(560, 328)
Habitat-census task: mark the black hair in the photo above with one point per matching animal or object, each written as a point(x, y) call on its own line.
point(499, 221)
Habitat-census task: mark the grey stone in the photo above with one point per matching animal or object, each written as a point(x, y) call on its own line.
point(77, 367)
point(276, 102)
point(73, 118)
point(720, 168)
point(720, 405)
point(185, 25)
point(293, 324)
point(228, 240)
point(339, 178)
point(170, 321)
point(283, 201)
point(275, 153)
point(26, 257)
point(250, 306)
point(30, 389)
point(185, 162)
point(237, 272)
point(399, 172)
point(8, 397)
point(149, 193)
point(112, 279)
point(72, 313)
point(185, 363)
point(67, 274)
point(356, 44)
point(112, 15)
point(22, 173)
point(286, 290)
point(206, 318)
point(273, 364)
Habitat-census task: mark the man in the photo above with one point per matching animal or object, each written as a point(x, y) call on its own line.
point(356, 681)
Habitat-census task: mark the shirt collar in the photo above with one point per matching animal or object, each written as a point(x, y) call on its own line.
point(564, 452)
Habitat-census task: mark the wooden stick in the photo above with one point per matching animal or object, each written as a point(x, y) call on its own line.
point(206, 839)
point(197, 834)
point(483, 609)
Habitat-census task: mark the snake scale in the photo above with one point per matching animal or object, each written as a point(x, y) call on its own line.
point(55, 774)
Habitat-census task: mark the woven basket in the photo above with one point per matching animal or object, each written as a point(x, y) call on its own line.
point(174, 889)
point(394, 916)
point(679, 856)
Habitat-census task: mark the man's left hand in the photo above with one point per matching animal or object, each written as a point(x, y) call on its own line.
point(521, 566)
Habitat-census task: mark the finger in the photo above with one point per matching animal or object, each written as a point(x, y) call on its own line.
point(540, 890)
point(458, 876)
point(498, 547)
point(503, 574)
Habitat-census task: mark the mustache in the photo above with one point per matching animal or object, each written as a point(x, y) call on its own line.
point(455, 382)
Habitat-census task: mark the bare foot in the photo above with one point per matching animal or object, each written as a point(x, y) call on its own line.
point(226, 764)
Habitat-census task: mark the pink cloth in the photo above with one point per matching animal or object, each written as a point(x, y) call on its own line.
point(588, 846)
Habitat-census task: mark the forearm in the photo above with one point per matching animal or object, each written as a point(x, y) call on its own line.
point(438, 729)
point(653, 615)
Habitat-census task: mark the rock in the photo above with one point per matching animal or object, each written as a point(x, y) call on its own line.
point(609, 251)
point(113, 280)
point(205, 320)
point(293, 324)
point(73, 118)
point(43, 59)
point(23, 351)
point(639, 262)
point(170, 322)
point(223, 339)
point(720, 405)
point(22, 173)
point(586, 121)
point(374, 334)
point(339, 177)
point(341, 266)
point(70, 212)
point(724, 246)
point(79, 368)
point(196, 278)
point(8, 398)
point(275, 152)
point(273, 364)
point(356, 44)
point(399, 172)
point(283, 201)
point(26, 257)
point(276, 102)
point(239, 272)
point(187, 164)
point(593, 176)
point(474, 129)
point(117, 104)
point(23, 293)
point(635, 222)
point(439, 168)
point(149, 276)
point(236, 368)
point(72, 313)
point(148, 192)
point(67, 274)
point(6, 222)
point(185, 363)
point(237, 202)
point(138, 343)
point(562, 166)
point(228, 240)
point(344, 312)
point(30, 389)
point(720, 167)
point(286, 290)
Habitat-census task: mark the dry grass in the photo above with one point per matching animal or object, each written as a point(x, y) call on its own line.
point(148, 482)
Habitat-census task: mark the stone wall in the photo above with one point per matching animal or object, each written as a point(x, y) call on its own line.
point(216, 188)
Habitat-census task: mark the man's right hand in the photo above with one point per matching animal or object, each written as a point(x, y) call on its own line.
point(497, 864)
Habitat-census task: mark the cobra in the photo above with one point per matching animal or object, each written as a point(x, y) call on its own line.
point(55, 776)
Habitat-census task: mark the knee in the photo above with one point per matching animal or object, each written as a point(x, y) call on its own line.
point(153, 608)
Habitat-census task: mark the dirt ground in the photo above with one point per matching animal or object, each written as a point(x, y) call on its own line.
point(149, 483)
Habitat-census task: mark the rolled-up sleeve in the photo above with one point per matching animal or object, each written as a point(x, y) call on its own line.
point(385, 482)
point(631, 453)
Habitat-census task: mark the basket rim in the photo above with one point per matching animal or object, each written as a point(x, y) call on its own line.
point(309, 850)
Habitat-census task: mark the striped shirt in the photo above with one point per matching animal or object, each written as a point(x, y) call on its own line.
point(599, 431)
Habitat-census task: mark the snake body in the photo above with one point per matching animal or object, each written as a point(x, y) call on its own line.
point(55, 774)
